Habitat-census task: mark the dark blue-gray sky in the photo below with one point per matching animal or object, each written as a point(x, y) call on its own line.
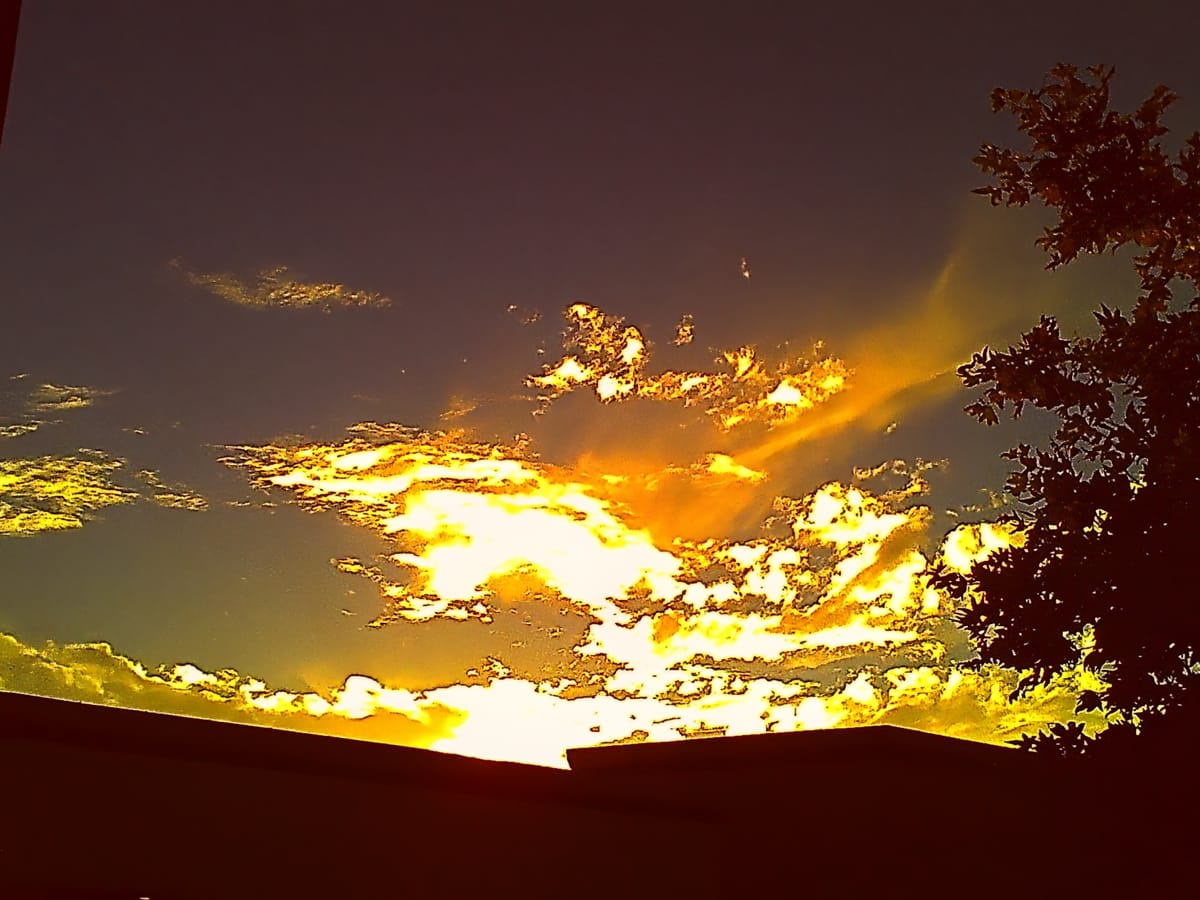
point(462, 157)
point(459, 158)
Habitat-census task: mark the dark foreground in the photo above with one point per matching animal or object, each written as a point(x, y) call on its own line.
point(108, 803)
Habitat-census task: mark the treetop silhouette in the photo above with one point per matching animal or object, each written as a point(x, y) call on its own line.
point(1106, 577)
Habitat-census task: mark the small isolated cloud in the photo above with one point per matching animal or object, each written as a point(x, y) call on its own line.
point(16, 429)
point(171, 494)
point(277, 288)
point(526, 315)
point(24, 404)
point(57, 397)
point(685, 331)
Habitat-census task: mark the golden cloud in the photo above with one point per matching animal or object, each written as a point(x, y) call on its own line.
point(833, 624)
point(605, 354)
point(41, 494)
point(57, 492)
point(52, 493)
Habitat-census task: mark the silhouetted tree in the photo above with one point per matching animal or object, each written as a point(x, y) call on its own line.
point(1107, 576)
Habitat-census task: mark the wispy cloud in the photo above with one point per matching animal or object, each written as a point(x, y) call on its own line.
point(58, 397)
point(171, 494)
point(40, 494)
point(56, 492)
point(278, 288)
point(24, 403)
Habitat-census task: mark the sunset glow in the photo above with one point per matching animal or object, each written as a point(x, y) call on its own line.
point(502, 384)
point(828, 622)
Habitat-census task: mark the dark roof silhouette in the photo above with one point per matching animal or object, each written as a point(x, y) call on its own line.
point(105, 803)
point(831, 746)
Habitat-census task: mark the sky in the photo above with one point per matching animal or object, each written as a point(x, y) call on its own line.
point(501, 378)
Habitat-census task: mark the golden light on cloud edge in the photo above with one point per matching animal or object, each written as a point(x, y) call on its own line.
point(515, 719)
point(95, 673)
